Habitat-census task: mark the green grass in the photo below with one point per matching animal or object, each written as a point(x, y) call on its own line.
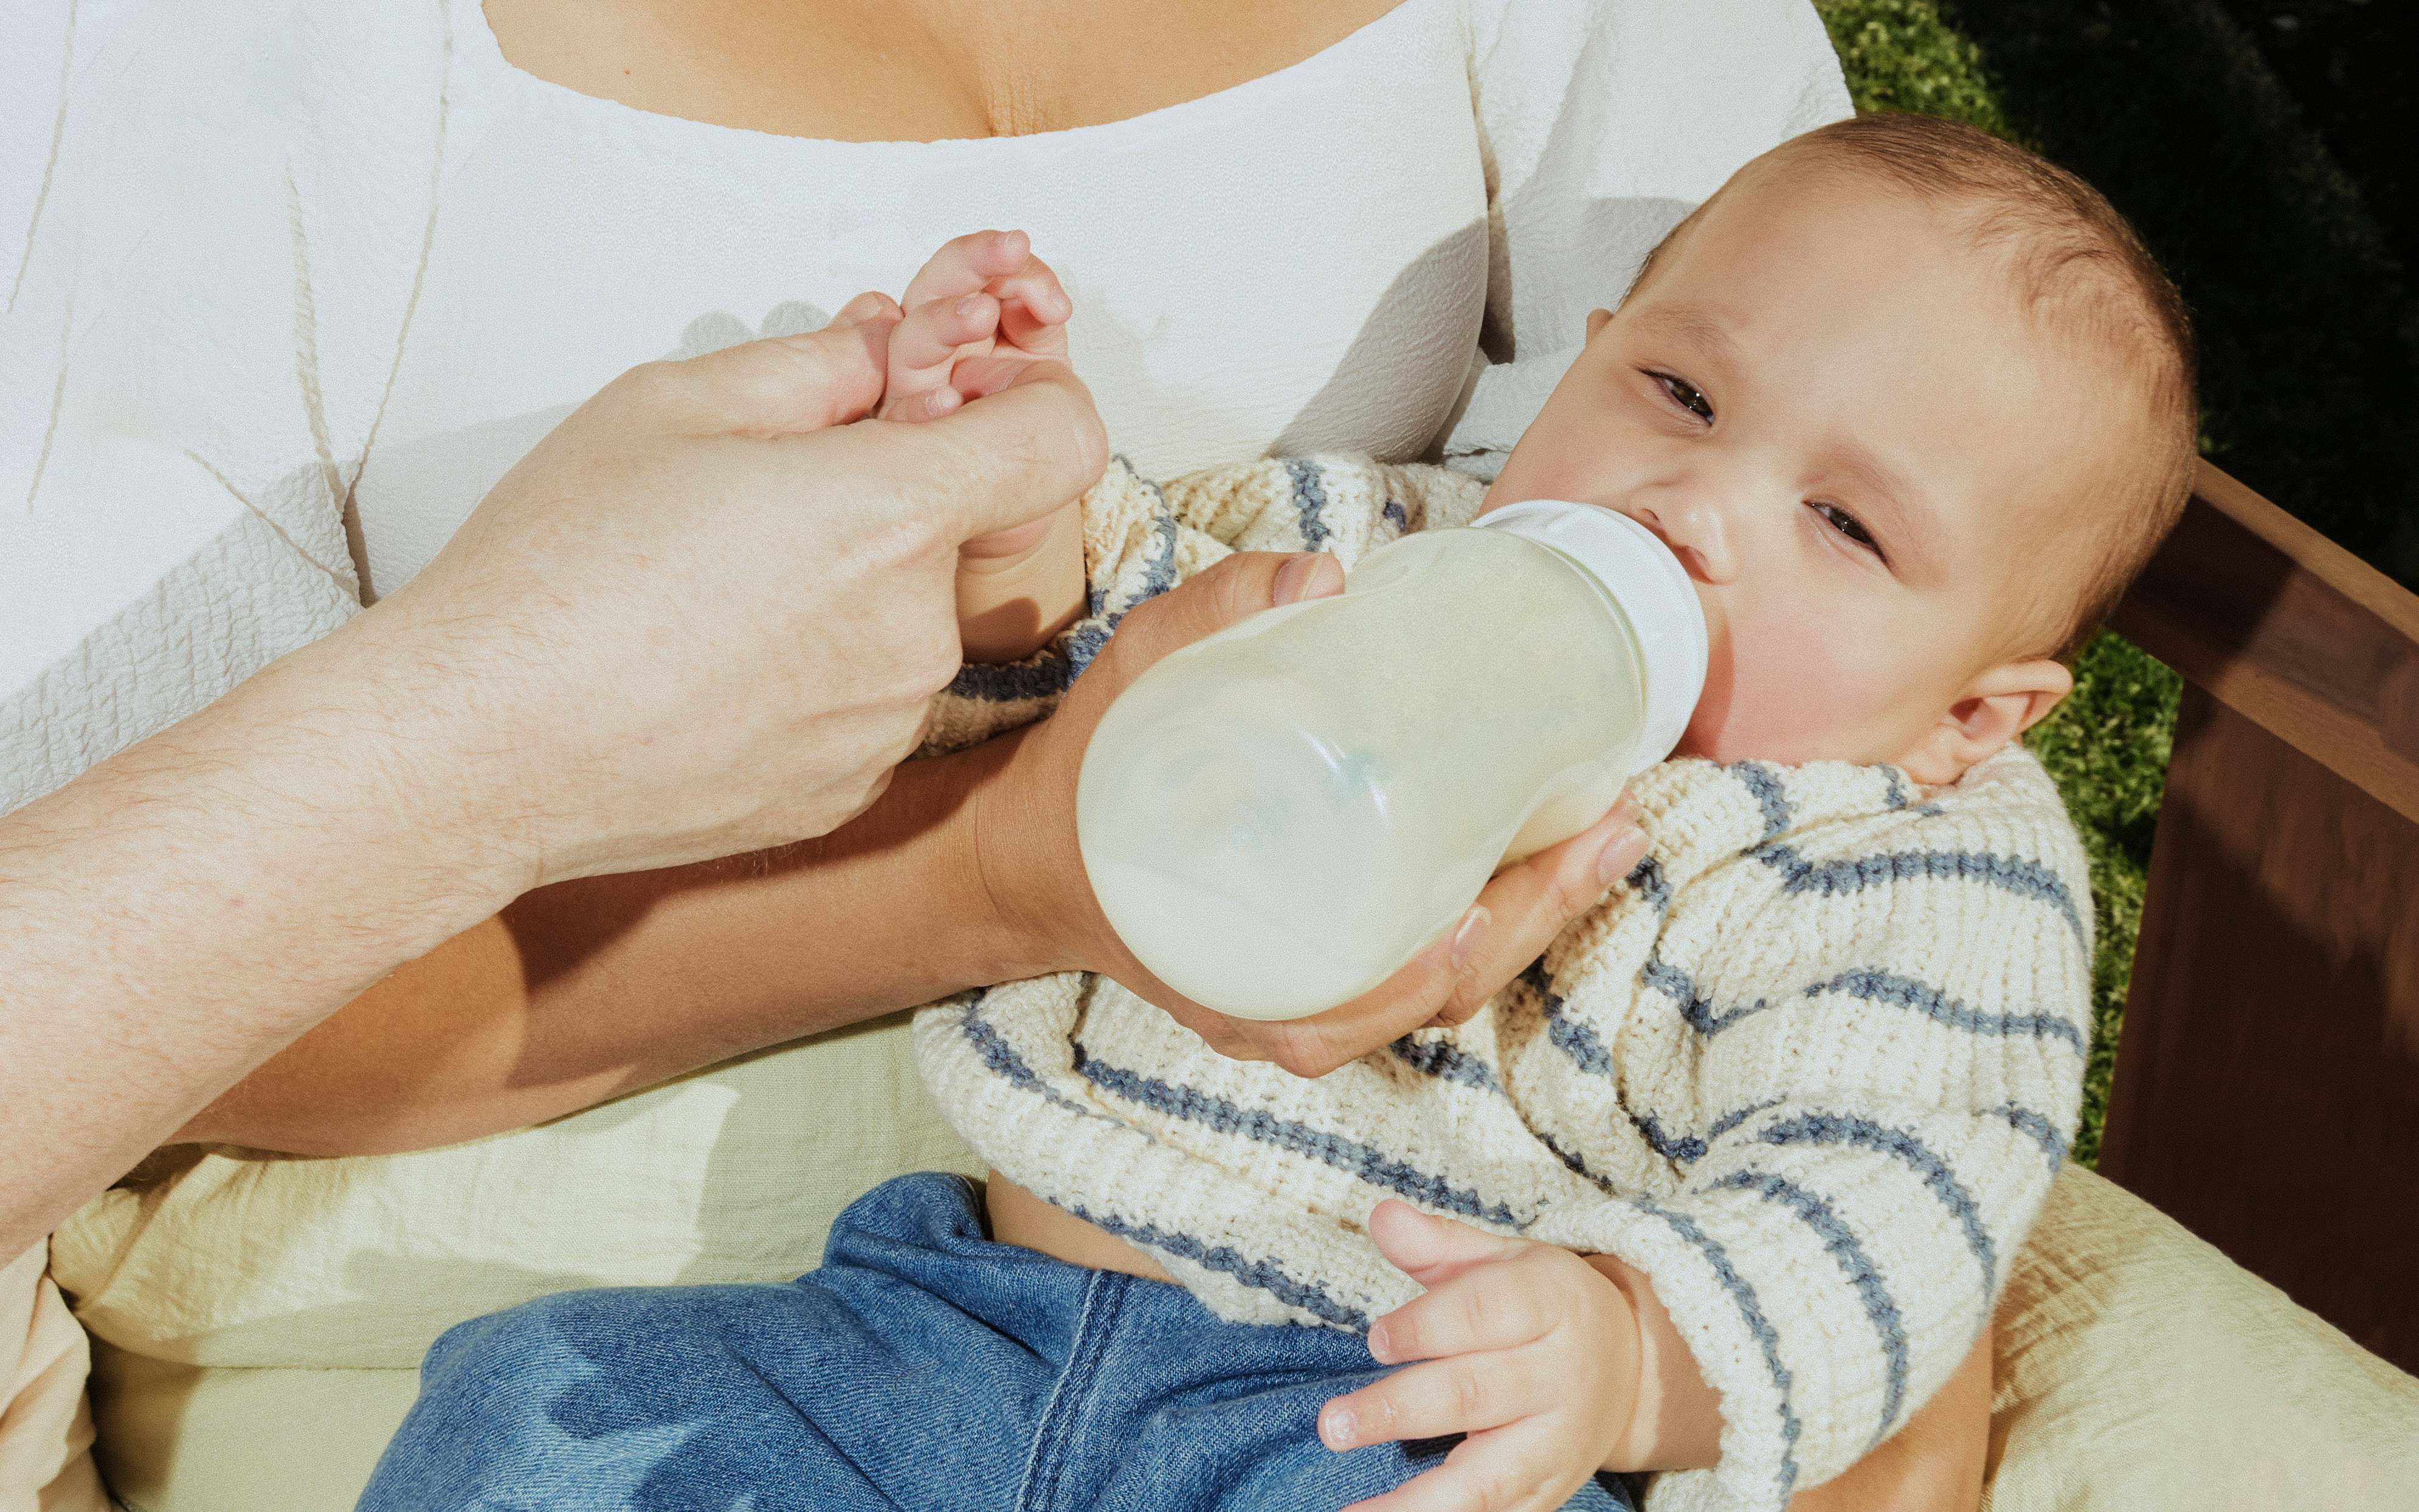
point(2309, 341)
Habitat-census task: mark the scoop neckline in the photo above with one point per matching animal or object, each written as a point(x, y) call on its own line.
point(477, 43)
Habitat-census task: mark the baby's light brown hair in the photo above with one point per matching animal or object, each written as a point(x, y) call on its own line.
point(2079, 269)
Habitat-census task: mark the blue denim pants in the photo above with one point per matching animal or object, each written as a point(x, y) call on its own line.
point(922, 1367)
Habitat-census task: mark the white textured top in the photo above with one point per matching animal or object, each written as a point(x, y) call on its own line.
point(267, 264)
point(1812, 1067)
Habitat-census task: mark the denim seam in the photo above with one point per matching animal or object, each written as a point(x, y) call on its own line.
point(1053, 1434)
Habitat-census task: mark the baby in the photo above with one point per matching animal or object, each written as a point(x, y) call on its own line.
point(1725, 1186)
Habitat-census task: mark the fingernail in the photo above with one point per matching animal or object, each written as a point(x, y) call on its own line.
point(937, 403)
point(1620, 855)
point(1376, 1345)
point(971, 305)
point(1295, 579)
point(1335, 1425)
point(1465, 939)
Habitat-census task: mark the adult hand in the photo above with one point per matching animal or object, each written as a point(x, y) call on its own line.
point(702, 617)
point(705, 614)
point(1026, 838)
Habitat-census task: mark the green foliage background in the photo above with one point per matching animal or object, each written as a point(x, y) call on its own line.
point(2309, 338)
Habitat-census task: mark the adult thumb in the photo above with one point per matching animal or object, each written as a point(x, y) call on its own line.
point(1014, 456)
point(783, 384)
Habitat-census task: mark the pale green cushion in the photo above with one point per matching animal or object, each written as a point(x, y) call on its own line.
point(2139, 1370)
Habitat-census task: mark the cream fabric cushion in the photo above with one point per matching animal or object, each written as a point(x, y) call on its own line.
point(256, 1319)
point(233, 1258)
point(2140, 1369)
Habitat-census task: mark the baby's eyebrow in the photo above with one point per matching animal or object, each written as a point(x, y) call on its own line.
point(1698, 328)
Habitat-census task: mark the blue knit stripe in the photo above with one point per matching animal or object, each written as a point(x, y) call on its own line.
point(1858, 1266)
point(1053, 673)
point(1770, 797)
point(1001, 1059)
point(1646, 879)
point(1870, 985)
point(1263, 1275)
point(1350, 1156)
point(1682, 1149)
point(1309, 502)
point(1696, 1009)
point(1393, 515)
point(2027, 879)
point(2044, 1133)
point(1759, 1327)
point(1863, 1133)
point(1576, 1162)
point(1057, 667)
point(1896, 795)
point(1446, 1062)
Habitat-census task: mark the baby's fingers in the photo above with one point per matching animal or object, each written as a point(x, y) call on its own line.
point(924, 348)
point(967, 264)
point(1466, 1394)
point(1521, 1467)
point(1034, 309)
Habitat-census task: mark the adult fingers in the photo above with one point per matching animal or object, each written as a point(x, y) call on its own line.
point(1003, 459)
point(1466, 1394)
point(967, 263)
point(1528, 903)
point(1513, 921)
point(771, 387)
point(1235, 589)
point(1521, 1467)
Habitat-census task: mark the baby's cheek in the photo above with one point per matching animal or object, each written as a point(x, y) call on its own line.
point(1786, 691)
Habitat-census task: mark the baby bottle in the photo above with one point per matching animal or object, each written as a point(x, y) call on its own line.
point(1278, 816)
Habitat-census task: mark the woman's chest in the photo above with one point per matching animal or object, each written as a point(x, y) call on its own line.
point(1295, 264)
point(914, 70)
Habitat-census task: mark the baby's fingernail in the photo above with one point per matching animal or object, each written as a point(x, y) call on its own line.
point(1335, 1425)
point(971, 305)
point(1620, 855)
point(1376, 1347)
point(1465, 939)
point(940, 402)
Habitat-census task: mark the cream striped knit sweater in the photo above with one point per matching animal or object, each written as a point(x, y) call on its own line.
point(1812, 1067)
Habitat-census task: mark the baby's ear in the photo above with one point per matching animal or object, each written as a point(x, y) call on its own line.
point(1995, 709)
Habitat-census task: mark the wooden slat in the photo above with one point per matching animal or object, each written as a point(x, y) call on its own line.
point(2267, 1090)
point(2290, 630)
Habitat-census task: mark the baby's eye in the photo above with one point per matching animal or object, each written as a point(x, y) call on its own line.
point(1687, 396)
point(1849, 526)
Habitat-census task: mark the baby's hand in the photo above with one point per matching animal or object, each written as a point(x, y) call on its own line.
point(1533, 1352)
point(981, 309)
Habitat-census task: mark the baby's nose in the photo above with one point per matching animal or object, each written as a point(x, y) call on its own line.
point(1696, 533)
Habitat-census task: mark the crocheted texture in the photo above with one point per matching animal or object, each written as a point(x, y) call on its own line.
point(1810, 1066)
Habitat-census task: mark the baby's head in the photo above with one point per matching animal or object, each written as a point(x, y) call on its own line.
point(1913, 407)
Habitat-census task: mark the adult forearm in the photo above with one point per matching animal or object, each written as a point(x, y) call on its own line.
point(588, 989)
point(174, 916)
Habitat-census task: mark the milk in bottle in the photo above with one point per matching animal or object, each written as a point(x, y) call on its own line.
point(1277, 817)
